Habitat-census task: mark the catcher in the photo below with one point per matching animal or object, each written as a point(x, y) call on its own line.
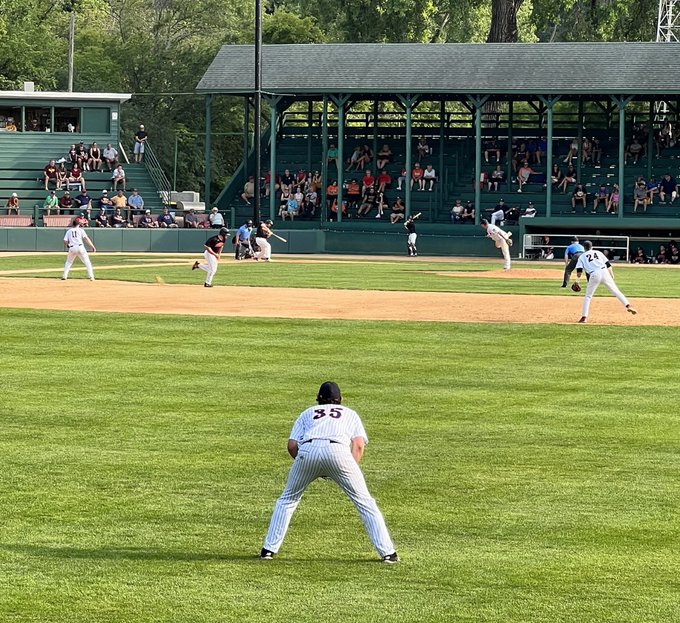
point(410, 227)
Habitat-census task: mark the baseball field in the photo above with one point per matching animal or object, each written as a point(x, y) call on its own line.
point(527, 466)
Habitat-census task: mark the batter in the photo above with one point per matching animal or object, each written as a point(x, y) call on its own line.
point(501, 240)
point(328, 442)
point(262, 235)
point(412, 235)
point(75, 241)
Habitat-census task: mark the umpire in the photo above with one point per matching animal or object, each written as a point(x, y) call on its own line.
point(571, 255)
point(242, 244)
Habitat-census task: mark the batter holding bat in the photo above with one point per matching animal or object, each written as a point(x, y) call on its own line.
point(262, 236)
point(410, 227)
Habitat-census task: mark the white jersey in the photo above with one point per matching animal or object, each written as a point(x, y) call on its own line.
point(496, 233)
point(75, 237)
point(333, 422)
point(592, 261)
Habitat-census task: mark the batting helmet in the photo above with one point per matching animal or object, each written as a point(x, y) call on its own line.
point(224, 231)
point(329, 393)
point(269, 222)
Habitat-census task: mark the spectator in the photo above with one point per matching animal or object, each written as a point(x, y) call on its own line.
point(287, 180)
point(586, 151)
point(547, 251)
point(66, 203)
point(367, 180)
point(332, 192)
point(72, 156)
point(662, 255)
point(579, 195)
point(423, 148)
point(52, 175)
point(381, 204)
point(283, 202)
point(10, 126)
point(398, 210)
point(62, 173)
point(51, 203)
point(299, 197)
point(666, 134)
point(429, 175)
point(468, 212)
point(316, 182)
point(497, 176)
point(81, 156)
point(520, 156)
point(94, 158)
point(105, 201)
point(639, 257)
point(12, 204)
point(640, 196)
point(110, 155)
point(166, 219)
point(569, 178)
point(118, 220)
point(249, 190)
point(135, 204)
point(530, 210)
point(332, 156)
point(498, 214)
point(367, 202)
point(354, 159)
point(652, 189)
point(572, 152)
point(311, 201)
point(75, 177)
point(384, 180)
point(524, 175)
point(596, 150)
point(457, 211)
point(84, 203)
point(491, 147)
point(633, 150)
point(531, 151)
point(291, 209)
point(673, 254)
point(556, 176)
point(301, 177)
point(216, 219)
point(601, 196)
point(401, 180)
point(512, 215)
point(613, 206)
point(334, 209)
point(141, 138)
point(101, 220)
point(384, 156)
point(417, 176)
point(541, 149)
point(353, 192)
point(366, 157)
point(118, 177)
point(191, 220)
point(146, 220)
point(668, 187)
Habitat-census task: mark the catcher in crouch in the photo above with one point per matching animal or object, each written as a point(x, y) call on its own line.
point(598, 271)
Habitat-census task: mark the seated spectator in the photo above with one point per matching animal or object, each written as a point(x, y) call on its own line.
point(101, 220)
point(332, 192)
point(384, 156)
point(248, 190)
point(332, 156)
point(105, 202)
point(110, 155)
point(118, 178)
point(586, 151)
point(530, 211)
point(579, 196)
point(301, 177)
point(468, 212)
point(524, 175)
point(51, 174)
point(118, 220)
point(367, 202)
point(595, 150)
point(94, 158)
point(283, 202)
point(639, 257)
point(512, 215)
point(191, 220)
point(547, 251)
point(668, 188)
point(497, 176)
point(381, 204)
point(216, 219)
point(556, 176)
point(498, 214)
point(166, 219)
point(398, 210)
point(12, 204)
point(541, 149)
point(72, 156)
point(62, 173)
point(83, 203)
point(66, 204)
point(334, 209)
point(633, 151)
point(662, 255)
point(51, 203)
point(353, 190)
point(601, 196)
point(401, 180)
point(640, 196)
point(652, 189)
point(384, 180)
point(429, 176)
point(81, 156)
point(146, 220)
point(311, 201)
point(365, 158)
point(417, 176)
point(457, 211)
point(520, 156)
point(353, 162)
point(315, 184)
point(572, 152)
point(135, 204)
point(75, 177)
point(491, 147)
point(266, 184)
point(367, 180)
point(291, 210)
point(613, 205)
point(10, 126)
point(673, 254)
point(423, 148)
point(569, 178)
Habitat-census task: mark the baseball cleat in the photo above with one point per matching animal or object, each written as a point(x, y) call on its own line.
point(207, 285)
point(630, 310)
point(265, 554)
point(390, 559)
point(583, 319)
point(195, 266)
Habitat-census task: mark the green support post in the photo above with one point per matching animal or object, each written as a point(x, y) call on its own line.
point(340, 102)
point(324, 161)
point(440, 183)
point(208, 148)
point(246, 125)
point(409, 156)
point(549, 103)
point(174, 164)
point(650, 139)
point(621, 102)
point(478, 103)
point(375, 137)
point(273, 102)
point(508, 172)
point(579, 138)
point(309, 135)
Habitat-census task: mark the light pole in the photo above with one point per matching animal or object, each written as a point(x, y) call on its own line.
point(258, 109)
point(69, 7)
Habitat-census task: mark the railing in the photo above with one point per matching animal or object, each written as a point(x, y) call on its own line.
point(157, 174)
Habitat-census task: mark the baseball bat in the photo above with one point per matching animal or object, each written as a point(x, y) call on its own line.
point(279, 237)
point(417, 215)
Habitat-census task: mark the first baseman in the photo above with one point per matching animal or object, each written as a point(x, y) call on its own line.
point(75, 241)
point(327, 441)
point(213, 250)
point(501, 240)
point(598, 271)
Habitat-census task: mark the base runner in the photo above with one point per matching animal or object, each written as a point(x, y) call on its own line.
point(212, 253)
point(327, 441)
point(75, 241)
point(262, 236)
point(598, 271)
point(501, 240)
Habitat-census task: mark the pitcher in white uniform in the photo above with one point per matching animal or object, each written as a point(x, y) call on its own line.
point(327, 441)
point(501, 240)
point(75, 241)
point(598, 271)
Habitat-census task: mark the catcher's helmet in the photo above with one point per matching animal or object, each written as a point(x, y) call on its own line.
point(224, 231)
point(329, 393)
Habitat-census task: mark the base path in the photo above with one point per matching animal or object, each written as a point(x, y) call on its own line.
point(116, 296)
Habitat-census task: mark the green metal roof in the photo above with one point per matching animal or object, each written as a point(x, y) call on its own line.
point(450, 69)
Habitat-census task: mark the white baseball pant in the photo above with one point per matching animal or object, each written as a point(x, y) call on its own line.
point(210, 267)
point(497, 217)
point(265, 252)
point(316, 459)
point(603, 277)
point(80, 252)
point(505, 250)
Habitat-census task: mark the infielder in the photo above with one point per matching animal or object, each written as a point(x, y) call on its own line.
point(410, 227)
point(75, 241)
point(598, 271)
point(213, 250)
point(261, 240)
point(571, 255)
point(501, 239)
point(328, 441)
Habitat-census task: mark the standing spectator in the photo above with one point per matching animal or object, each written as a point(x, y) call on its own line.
point(601, 196)
point(191, 220)
point(105, 202)
point(141, 137)
point(249, 190)
point(51, 175)
point(118, 177)
point(84, 203)
point(51, 203)
point(166, 219)
point(135, 204)
point(417, 176)
point(613, 206)
point(429, 175)
point(75, 177)
point(579, 195)
point(13, 204)
point(398, 210)
point(101, 220)
point(94, 158)
point(65, 203)
point(640, 196)
point(216, 219)
point(146, 220)
point(384, 180)
point(332, 156)
point(668, 187)
point(110, 155)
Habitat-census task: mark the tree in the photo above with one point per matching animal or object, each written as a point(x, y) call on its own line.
point(504, 21)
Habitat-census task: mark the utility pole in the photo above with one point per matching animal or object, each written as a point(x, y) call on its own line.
point(667, 31)
point(258, 110)
point(69, 7)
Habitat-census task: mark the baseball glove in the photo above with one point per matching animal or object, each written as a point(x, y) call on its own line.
point(575, 287)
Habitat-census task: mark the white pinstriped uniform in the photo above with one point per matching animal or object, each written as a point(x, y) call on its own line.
point(596, 266)
point(500, 239)
point(75, 239)
point(324, 434)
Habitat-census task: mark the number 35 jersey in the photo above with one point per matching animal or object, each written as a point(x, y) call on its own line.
point(333, 422)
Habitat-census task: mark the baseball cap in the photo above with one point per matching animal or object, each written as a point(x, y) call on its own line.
point(105, 192)
point(531, 203)
point(249, 222)
point(329, 392)
point(52, 192)
point(214, 209)
point(14, 195)
point(501, 201)
point(147, 212)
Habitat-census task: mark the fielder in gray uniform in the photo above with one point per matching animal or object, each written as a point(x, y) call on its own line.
point(328, 441)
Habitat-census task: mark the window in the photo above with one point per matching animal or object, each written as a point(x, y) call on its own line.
point(38, 119)
point(67, 119)
point(10, 119)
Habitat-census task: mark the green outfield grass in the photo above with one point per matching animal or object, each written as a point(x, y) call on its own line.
point(374, 274)
point(527, 473)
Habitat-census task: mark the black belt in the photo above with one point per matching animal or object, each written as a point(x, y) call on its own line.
point(329, 440)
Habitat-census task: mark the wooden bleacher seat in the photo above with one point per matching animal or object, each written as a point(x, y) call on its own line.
point(58, 220)
point(14, 220)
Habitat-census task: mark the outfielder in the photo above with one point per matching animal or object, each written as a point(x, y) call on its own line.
point(75, 241)
point(412, 235)
point(262, 235)
point(328, 441)
point(501, 239)
point(213, 250)
point(571, 255)
point(598, 271)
